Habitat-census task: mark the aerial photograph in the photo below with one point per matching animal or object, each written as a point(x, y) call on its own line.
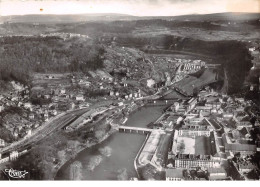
point(130, 90)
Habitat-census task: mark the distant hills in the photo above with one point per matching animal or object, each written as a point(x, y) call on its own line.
point(228, 16)
point(68, 18)
point(51, 18)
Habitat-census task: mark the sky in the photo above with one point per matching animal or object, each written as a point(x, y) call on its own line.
point(131, 7)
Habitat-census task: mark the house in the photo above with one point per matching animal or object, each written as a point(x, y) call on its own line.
point(36, 125)
point(111, 93)
point(45, 115)
point(251, 49)
point(47, 96)
point(228, 115)
point(54, 112)
point(14, 98)
point(1, 108)
point(120, 104)
point(192, 103)
point(29, 132)
point(150, 83)
point(72, 106)
point(87, 83)
point(244, 121)
point(246, 166)
point(2, 143)
point(19, 104)
point(79, 98)
point(85, 105)
point(31, 116)
point(14, 155)
point(175, 107)
point(62, 91)
point(84, 83)
point(27, 105)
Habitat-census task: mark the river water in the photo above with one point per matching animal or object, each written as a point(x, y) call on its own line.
point(114, 158)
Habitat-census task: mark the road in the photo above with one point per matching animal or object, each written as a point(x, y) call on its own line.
point(46, 129)
point(50, 126)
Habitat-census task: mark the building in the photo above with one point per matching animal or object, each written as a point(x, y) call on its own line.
point(54, 112)
point(243, 149)
point(194, 133)
point(234, 142)
point(80, 98)
point(192, 103)
point(29, 132)
point(246, 166)
point(188, 163)
point(2, 143)
point(62, 91)
point(72, 105)
point(175, 107)
point(111, 93)
point(1, 108)
point(27, 105)
point(14, 155)
point(150, 83)
point(31, 116)
point(217, 173)
point(174, 174)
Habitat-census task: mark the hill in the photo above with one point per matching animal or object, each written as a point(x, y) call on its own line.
point(68, 18)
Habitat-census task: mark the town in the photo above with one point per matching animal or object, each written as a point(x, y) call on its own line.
point(205, 136)
point(142, 99)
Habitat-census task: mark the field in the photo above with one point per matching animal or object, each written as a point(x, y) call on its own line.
point(186, 145)
point(189, 145)
point(50, 80)
point(202, 145)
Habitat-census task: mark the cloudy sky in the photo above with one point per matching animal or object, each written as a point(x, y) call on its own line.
point(132, 7)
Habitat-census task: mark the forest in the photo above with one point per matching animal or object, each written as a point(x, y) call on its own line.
point(21, 56)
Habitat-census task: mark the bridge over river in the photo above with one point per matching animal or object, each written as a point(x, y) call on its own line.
point(138, 130)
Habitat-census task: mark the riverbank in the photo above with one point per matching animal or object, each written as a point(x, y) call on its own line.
point(136, 118)
point(61, 164)
point(136, 161)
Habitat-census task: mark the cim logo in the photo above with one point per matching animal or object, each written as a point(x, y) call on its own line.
point(15, 174)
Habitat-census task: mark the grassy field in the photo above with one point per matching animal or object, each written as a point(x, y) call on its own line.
point(202, 145)
point(186, 145)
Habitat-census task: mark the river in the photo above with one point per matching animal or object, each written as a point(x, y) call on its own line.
point(114, 158)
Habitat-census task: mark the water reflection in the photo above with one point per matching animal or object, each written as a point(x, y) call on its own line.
point(114, 158)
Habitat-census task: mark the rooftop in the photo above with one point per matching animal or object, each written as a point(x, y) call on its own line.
point(174, 173)
point(240, 147)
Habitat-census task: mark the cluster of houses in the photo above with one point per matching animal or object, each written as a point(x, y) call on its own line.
point(186, 67)
point(52, 94)
point(219, 123)
point(65, 36)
